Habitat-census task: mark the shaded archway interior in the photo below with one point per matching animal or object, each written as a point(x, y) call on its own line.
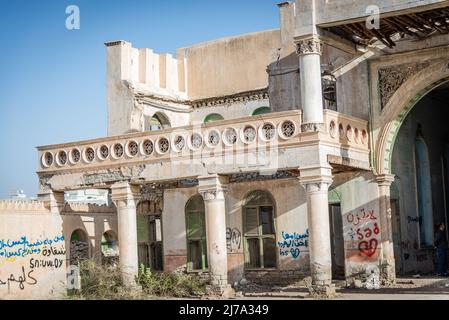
point(420, 192)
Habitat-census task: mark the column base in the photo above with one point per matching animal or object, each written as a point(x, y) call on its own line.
point(388, 274)
point(223, 291)
point(324, 290)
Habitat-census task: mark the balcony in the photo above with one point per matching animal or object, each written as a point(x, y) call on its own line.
point(271, 141)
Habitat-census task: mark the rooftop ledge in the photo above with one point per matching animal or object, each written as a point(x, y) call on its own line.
point(344, 135)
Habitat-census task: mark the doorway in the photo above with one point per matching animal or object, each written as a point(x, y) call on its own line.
point(337, 241)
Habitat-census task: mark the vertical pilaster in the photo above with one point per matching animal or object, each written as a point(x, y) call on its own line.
point(54, 199)
point(213, 189)
point(125, 197)
point(388, 270)
point(309, 50)
point(316, 182)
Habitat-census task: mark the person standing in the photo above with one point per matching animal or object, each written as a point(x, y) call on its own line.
point(441, 246)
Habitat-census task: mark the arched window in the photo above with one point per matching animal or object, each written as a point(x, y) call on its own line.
point(79, 246)
point(261, 110)
point(109, 247)
point(213, 117)
point(196, 234)
point(259, 230)
point(424, 193)
point(159, 121)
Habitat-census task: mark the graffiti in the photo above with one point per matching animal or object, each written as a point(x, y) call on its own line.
point(39, 254)
point(292, 243)
point(361, 217)
point(413, 219)
point(233, 239)
point(363, 232)
point(23, 247)
point(24, 278)
point(407, 245)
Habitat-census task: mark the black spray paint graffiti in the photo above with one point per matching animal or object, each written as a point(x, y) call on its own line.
point(293, 243)
point(24, 278)
point(233, 239)
point(414, 219)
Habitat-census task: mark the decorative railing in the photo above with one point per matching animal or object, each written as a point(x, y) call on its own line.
point(22, 206)
point(280, 129)
point(346, 130)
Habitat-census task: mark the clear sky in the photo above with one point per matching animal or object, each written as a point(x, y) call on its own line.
point(53, 80)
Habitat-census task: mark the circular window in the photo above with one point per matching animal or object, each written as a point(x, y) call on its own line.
point(364, 137)
point(195, 141)
point(249, 134)
point(349, 133)
point(147, 147)
point(267, 132)
point(75, 156)
point(117, 151)
point(103, 152)
point(179, 143)
point(230, 136)
point(163, 145)
point(89, 155)
point(132, 149)
point(341, 131)
point(332, 129)
point(287, 129)
point(61, 158)
point(356, 135)
point(47, 159)
point(213, 138)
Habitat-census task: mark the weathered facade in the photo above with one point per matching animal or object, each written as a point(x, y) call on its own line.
point(272, 156)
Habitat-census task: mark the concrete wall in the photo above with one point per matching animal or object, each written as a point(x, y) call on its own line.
point(34, 267)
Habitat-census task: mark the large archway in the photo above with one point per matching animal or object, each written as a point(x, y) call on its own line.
point(390, 119)
point(418, 157)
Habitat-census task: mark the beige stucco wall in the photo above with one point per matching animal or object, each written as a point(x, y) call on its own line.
point(23, 276)
point(230, 65)
point(291, 218)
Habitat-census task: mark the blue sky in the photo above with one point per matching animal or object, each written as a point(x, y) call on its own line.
point(53, 81)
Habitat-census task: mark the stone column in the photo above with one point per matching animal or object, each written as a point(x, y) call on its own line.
point(388, 268)
point(125, 197)
point(316, 182)
point(308, 49)
point(213, 189)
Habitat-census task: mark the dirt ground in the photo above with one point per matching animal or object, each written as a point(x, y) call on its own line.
point(406, 288)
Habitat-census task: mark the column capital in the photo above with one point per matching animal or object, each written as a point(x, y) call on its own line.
point(316, 178)
point(385, 180)
point(310, 44)
point(213, 187)
point(123, 191)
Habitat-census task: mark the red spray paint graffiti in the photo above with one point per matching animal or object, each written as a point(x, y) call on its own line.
point(364, 232)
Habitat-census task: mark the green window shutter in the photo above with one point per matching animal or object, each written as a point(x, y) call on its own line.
point(251, 221)
point(193, 225)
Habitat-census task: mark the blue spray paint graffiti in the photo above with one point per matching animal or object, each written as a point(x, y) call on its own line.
point(24, 247)
point(293, 243)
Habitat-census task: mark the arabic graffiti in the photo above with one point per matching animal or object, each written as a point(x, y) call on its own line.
point(293, 243)
point(48, 253)
point(24, 278)
point(24, 247)
point(363, 232)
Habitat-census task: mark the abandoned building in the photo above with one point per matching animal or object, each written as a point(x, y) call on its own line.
point(317, 149)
